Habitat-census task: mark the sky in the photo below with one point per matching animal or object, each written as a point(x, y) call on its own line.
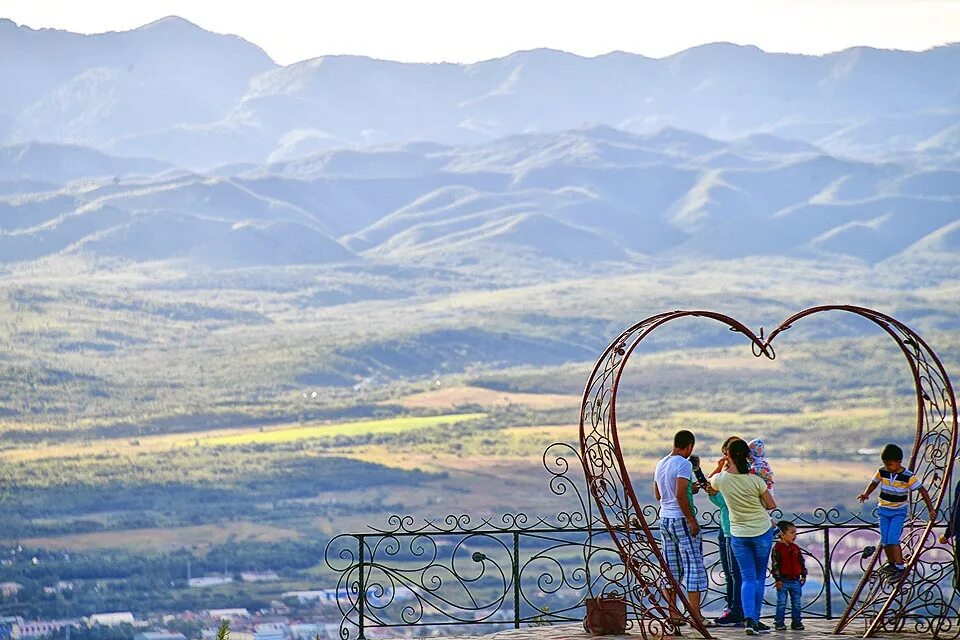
point(472, 30)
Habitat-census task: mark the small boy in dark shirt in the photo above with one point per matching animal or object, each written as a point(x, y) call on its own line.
point(790, 573)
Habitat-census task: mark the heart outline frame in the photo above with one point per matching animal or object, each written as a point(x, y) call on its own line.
point(880, 608)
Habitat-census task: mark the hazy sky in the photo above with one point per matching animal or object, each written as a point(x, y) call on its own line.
point(471, 30)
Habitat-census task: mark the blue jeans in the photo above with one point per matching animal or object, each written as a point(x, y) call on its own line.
point(891, 524)
point(752, 556)
point(731, 574)
point(794, 590)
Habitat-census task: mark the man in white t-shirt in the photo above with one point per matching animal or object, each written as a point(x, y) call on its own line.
point(679, 531)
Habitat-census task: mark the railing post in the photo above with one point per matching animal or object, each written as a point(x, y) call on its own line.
point(362, 584)
point(516, 579)
point(827, 573)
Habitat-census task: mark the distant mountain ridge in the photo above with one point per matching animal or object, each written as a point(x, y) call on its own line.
point(584, 199)
point(90, 89)
point(175, 92)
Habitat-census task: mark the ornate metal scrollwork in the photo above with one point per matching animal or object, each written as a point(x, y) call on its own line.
point(917, 599)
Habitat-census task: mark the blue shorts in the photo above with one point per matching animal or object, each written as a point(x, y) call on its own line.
point(891, 524)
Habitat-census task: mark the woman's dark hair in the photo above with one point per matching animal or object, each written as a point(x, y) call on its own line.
point(726, 443)
point(739, 453)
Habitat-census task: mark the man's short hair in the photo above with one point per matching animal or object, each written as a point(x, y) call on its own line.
point(683, 439)
point(891, 453)
point(785, 525)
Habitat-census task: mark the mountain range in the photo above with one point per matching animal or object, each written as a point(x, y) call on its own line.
point(172, 143)
point(172, 91)
point(580, 197)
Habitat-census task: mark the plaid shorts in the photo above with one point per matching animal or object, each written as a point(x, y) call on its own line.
point(684, 554)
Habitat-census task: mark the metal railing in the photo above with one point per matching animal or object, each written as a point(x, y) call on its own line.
point(509, 575)
point(516, 570)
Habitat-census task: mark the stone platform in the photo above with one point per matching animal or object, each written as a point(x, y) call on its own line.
point(817, 629)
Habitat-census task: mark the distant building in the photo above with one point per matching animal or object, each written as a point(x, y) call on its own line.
point(308, 630)
point(321, 595)
point(330, 596)
point(111, 619)
point(209, 581)
point(60, 587)
point(160, 635)
point(6, 626)
point(259, 576)
point(10, 588)
point(37, 628)
point(270, 631)
point(228, 614)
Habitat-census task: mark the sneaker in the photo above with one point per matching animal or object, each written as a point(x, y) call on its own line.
point(886, 569)
point(797, 626)
point(762, 628)
point(750, 627)
point(780, 626)
point(728, 620)
point(894, 576)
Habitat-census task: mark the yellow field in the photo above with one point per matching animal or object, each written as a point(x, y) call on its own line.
point(246, 435)
point(371, 427)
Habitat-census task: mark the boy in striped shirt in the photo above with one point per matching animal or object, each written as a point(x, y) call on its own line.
point(895, 482)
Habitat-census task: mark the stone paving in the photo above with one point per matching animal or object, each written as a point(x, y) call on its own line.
point(817, 629)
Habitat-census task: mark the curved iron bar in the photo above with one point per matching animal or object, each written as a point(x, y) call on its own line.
point(932, 459)
point(609, 481)
point(626, 520)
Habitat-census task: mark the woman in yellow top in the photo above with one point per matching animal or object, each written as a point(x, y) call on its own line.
point(748, 501)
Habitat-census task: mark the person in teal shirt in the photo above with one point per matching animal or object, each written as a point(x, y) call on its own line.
point(733, 614)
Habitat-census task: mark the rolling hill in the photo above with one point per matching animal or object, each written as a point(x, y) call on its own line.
point(586, 197)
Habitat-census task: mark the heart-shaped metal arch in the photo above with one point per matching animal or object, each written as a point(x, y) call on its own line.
point(920, 597)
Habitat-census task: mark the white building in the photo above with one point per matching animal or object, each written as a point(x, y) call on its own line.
point(10, 588)
point(38, 628)
point(228, 614)
point(209, 581)
point(160, 635)
point(322, 595)
point(111, 619)
point(259, 576)
point(270, 631)
point(330, 596)
point(307, 630)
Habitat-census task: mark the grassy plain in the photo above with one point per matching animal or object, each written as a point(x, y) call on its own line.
point(237, 415)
